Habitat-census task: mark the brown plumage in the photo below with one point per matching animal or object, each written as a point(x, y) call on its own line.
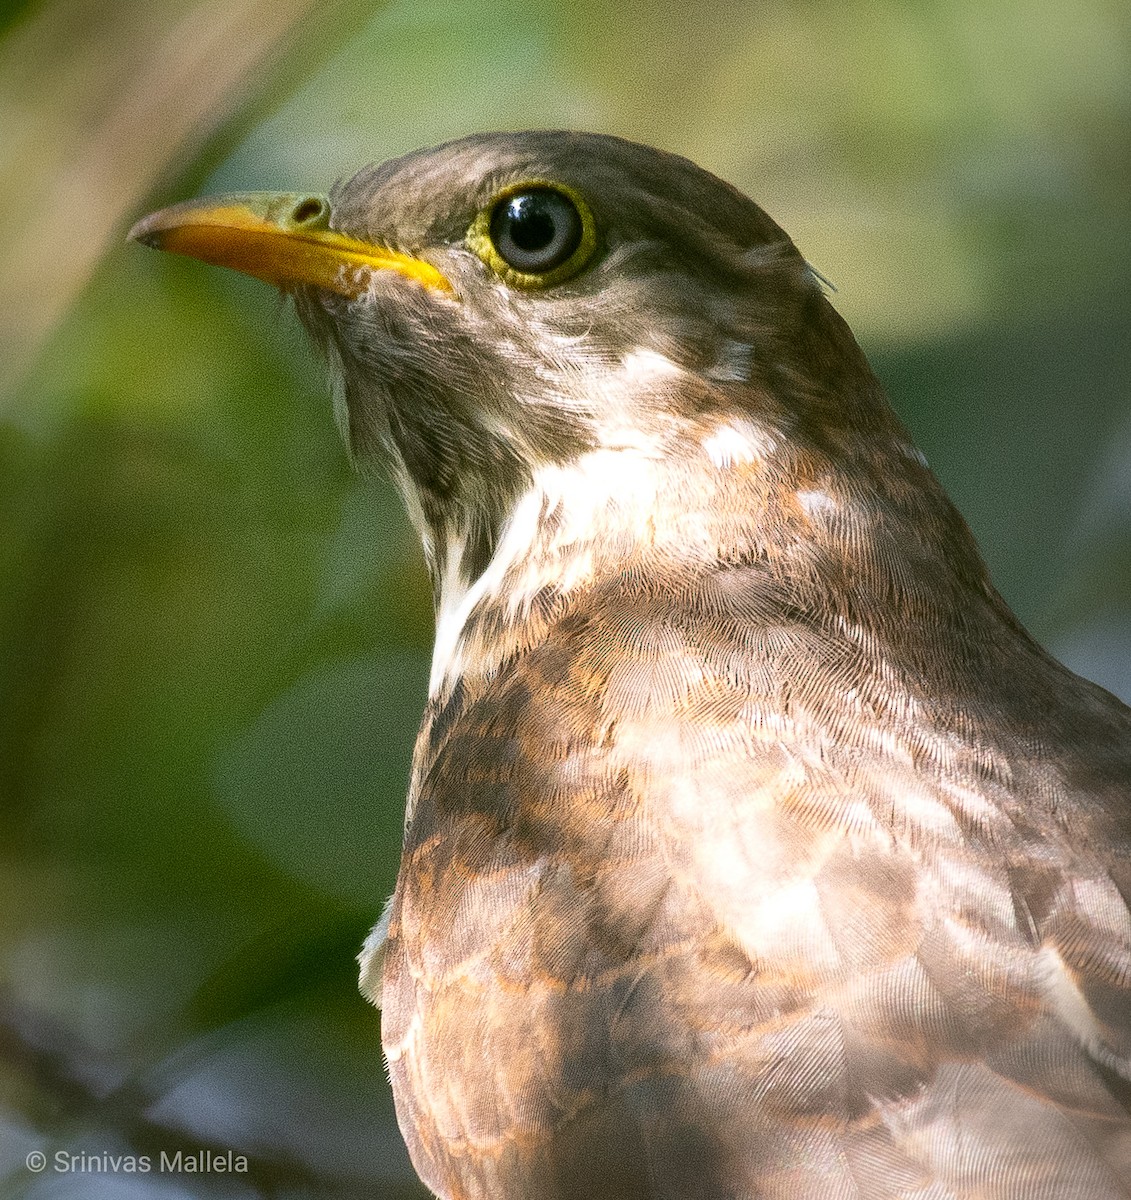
point(754, 850)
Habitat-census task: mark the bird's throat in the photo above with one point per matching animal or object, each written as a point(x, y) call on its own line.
point(573, 524)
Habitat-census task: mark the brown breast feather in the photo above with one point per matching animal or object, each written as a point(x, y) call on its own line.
point(668, 926)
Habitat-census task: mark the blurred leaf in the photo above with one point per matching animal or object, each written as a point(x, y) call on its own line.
point(314, 948)
point(318, 782)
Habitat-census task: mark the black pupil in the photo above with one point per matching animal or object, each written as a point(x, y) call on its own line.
point(531, 222)
point(536, 230)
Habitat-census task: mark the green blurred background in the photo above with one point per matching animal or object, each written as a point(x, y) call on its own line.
point(214, 639)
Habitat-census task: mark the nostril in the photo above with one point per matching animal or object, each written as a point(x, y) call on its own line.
point(310, 209)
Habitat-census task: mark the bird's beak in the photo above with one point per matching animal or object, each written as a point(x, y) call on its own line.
point(283, 238)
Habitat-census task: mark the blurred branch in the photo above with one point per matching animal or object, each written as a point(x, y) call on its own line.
point(98, 104)
point(77, 1090)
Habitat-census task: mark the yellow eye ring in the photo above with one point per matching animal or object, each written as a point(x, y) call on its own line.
point(535, 234)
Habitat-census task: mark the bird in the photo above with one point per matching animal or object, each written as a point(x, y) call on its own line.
point(753, 849)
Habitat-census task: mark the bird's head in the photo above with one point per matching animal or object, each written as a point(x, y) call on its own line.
point(566, 336)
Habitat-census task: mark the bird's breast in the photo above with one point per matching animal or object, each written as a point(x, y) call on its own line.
point(726, 906)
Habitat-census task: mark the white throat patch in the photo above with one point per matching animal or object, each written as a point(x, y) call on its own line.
point(547, 541)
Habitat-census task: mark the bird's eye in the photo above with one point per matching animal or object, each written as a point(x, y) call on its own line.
point(534, 235)
point(536, 231)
